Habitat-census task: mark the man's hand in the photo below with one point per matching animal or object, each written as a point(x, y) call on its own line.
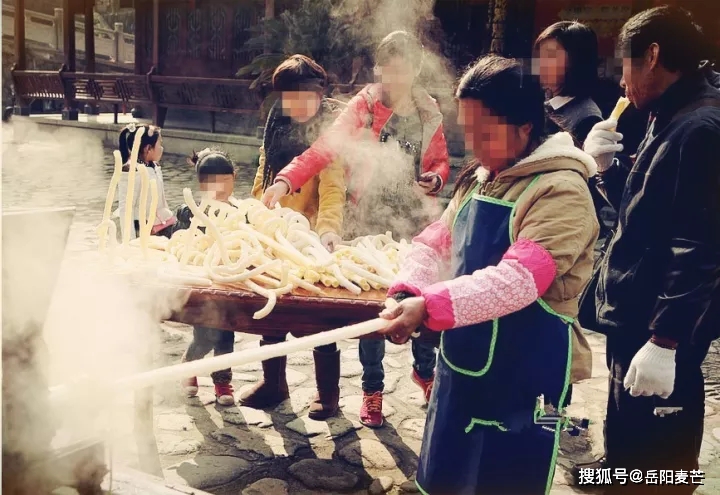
point(330, 240)
point(652, 372)
point(602, 143)
point(274, 193)
point(406, 316)
point(429, 182)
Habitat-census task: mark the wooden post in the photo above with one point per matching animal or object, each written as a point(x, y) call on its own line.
point(21, 107)
point(159, 113)
point(20, 61)
point(140, 43)
point(58, 29)
point(89, 15)
point(69, 10)
point(269, 14)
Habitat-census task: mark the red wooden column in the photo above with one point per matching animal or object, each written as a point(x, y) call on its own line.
point(21, 107)
point(88, 11)
point(159, 113)
point(69, 11)
point(269, 14)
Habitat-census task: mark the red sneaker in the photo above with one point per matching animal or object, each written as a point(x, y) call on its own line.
point(224, 394)
point(425, 385)
point(190, 386)
point(371, 410)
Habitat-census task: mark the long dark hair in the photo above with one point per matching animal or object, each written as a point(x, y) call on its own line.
point(127, 139)
point(581, 45)
point(508, 91)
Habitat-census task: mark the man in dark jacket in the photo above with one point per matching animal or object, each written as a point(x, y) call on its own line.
point(658, 296)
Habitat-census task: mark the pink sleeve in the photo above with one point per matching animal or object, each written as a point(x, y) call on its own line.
point(422, 266)
point(522, 276)
point(326, 148)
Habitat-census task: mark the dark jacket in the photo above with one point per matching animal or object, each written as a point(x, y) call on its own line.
point(662, 271)
point(577, 117)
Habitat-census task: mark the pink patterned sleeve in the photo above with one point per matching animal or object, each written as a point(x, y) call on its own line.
point(522, 276)
point(422, 266)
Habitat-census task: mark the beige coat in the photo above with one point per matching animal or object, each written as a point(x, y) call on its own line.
point(557, 212)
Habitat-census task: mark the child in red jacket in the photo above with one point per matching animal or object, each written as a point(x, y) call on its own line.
point(388, 185)
point(391, 186)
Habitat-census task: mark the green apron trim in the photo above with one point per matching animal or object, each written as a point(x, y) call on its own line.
point(484, 422)
point(488, 363)
point(464, 203)
point(488, 199)
point(546, 307)
point(560, 425)
point(422, 490)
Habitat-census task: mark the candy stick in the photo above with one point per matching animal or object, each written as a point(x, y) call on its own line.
point(131, 186)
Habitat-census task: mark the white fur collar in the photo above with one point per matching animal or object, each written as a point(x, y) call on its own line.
point(560, 145)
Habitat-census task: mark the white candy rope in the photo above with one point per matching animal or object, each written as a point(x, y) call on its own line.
point(131, 186)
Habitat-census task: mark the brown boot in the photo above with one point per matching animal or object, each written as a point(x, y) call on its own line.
point(272, 389)
point(327, 377)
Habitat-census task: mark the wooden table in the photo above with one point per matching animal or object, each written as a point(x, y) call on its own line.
point(300, 313)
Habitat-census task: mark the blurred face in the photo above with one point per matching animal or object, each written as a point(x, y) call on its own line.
point(492, 140)
point(154, 153)
point(218, 186)
point(300, 105)
point(552, 65)
point(397, 76)
point(639, 79)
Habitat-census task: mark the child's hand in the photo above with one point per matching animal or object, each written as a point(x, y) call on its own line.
point(330, 240)
point(429, 182)
point(274, 193)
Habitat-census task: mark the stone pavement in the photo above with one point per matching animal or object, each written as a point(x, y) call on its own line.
point(237, 450)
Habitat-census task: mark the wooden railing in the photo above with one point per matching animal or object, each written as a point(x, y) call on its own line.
point(159, 92)
point(47, 29)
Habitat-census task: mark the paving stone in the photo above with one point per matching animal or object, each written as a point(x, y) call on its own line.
point(318, 474)
point(368, 453)
point(709, 411)
point(172, 444)
point(295, 378)
point(267, 486)
point(257, 446)
point(409, 487)
point(331, 428)
point(352, 403)
point(707, 453)
point(174, 422)
point(381, 485)
point(206, 471)
point(414, 428)
point(392, 362)
point(716, 434)
point(247, 368)
point(392, 380)
point(417, 399)
point(303, 358)
point(351, 369)
point(247, 416)
point(300, 399)
point(244, 377)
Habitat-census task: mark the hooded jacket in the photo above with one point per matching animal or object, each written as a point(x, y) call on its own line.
point(366, 112)
point(554, 229)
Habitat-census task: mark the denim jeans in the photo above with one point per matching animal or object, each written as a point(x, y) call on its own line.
point(372, 352)
point(208, 339)
point(322, 348)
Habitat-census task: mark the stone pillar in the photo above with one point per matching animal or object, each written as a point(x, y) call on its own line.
point(57, 29)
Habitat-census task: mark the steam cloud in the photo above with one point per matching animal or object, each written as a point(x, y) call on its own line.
point(98, 327)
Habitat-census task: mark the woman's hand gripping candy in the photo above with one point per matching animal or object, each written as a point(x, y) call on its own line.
point(406, 317)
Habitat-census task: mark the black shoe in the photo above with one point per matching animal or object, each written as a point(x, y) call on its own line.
point(573, 476)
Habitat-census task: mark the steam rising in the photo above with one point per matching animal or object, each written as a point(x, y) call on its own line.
point(99, 326)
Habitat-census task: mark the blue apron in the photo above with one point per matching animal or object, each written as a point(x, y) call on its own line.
point(486, 430)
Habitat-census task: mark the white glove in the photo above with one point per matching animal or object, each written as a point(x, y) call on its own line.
point(602, 142)
point(652, 372)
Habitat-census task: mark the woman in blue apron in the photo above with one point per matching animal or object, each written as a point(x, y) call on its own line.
point(518, 237)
